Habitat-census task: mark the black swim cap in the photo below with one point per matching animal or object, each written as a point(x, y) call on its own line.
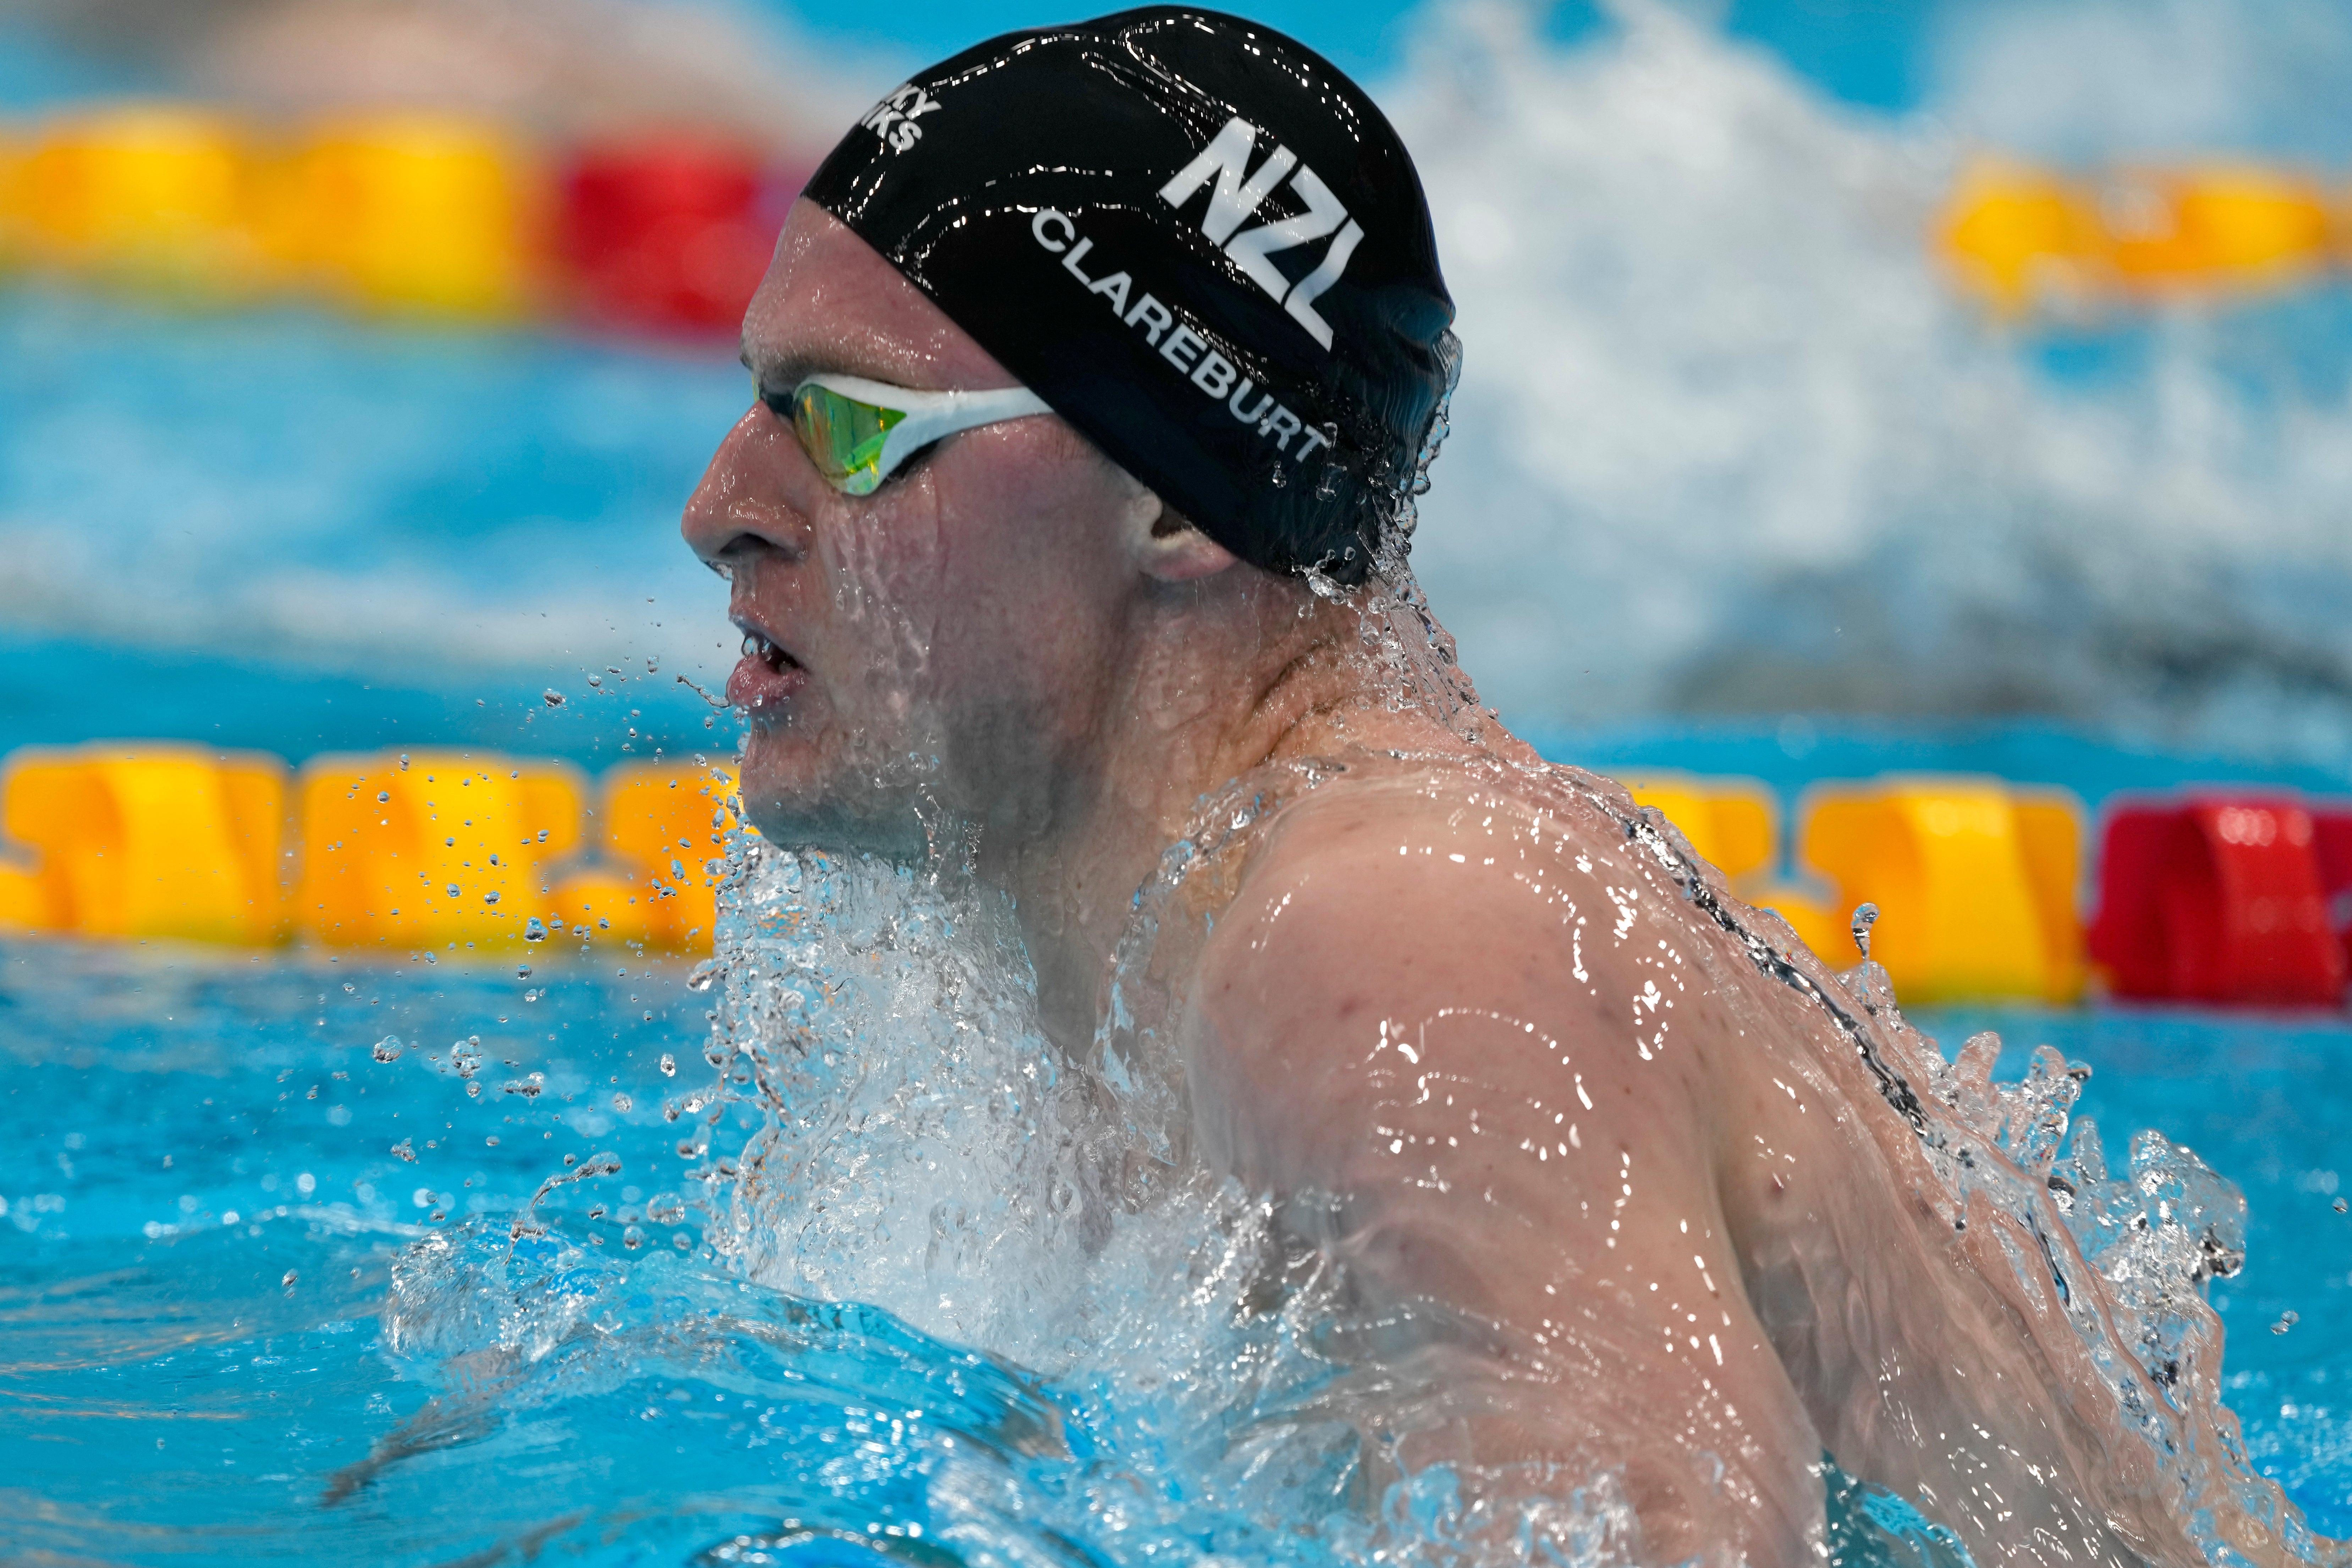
point(1197, 240)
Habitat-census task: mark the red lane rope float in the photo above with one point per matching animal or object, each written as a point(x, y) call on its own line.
point(666, 236)
point(2224, 899)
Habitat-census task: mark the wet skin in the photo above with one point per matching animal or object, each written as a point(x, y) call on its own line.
point(1542, 1085)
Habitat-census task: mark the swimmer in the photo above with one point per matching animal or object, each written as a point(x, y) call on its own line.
point(1095, 372)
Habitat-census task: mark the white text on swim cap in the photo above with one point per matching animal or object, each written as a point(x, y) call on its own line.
point(1182, 347)
point(892, 119)
point(1238, 193)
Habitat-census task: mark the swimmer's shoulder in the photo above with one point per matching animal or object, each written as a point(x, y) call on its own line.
point(1415, 879)
point(1445, 810)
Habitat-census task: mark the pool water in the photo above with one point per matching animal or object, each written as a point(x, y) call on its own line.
point(263, 1295)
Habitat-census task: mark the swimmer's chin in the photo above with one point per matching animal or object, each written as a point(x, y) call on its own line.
point(892, 832)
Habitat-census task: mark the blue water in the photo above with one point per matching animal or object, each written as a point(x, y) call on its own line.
point(180, 1385)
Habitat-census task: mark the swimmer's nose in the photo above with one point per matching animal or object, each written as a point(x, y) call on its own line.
point(743, 507)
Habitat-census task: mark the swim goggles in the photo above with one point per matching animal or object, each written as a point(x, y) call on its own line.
point(857, 432)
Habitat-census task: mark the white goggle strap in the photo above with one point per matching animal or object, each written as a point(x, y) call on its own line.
point(932, 416)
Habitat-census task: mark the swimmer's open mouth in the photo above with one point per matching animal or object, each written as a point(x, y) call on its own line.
point(768, 653)
point(767, 677)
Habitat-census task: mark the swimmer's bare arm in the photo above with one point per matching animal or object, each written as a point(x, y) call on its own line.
point(1407, 1033)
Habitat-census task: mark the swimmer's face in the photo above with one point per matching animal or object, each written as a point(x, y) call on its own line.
point(940, 644)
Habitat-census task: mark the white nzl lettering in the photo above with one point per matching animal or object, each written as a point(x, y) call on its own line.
point(892, 119)
point(1238, 193)
point(1209, 371)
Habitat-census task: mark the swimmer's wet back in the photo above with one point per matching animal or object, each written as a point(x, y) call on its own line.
point(1198, 241)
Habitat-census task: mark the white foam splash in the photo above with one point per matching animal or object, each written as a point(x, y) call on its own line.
point(1726, 440)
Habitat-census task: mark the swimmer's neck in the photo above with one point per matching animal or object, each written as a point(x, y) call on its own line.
point(1202, 698)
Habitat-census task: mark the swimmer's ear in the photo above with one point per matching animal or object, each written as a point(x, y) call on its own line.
point(1166, 547)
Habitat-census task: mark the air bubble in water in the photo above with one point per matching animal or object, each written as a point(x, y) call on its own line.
point(405, 1150)
point(292, 1276)
point(632, 1238)
point(388, 1048)
point(533, 930)
point(595, 681)
point(383, 795)
point(622, 1103)
point(552, 696)
point(522, 972)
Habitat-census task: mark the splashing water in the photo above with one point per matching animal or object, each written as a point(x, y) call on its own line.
point(1734, 443)
point(917, 1146)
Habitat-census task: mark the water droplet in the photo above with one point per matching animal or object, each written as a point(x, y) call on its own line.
point(595, 681)
point(388, 1048)
point(453, 889)
point(552, 696)
point(1865, 917)
point(291, 1277)
point(491, 897)
point(382, 796)
point(532, 930)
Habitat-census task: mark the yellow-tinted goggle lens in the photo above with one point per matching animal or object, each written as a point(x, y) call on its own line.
point(843, 436)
